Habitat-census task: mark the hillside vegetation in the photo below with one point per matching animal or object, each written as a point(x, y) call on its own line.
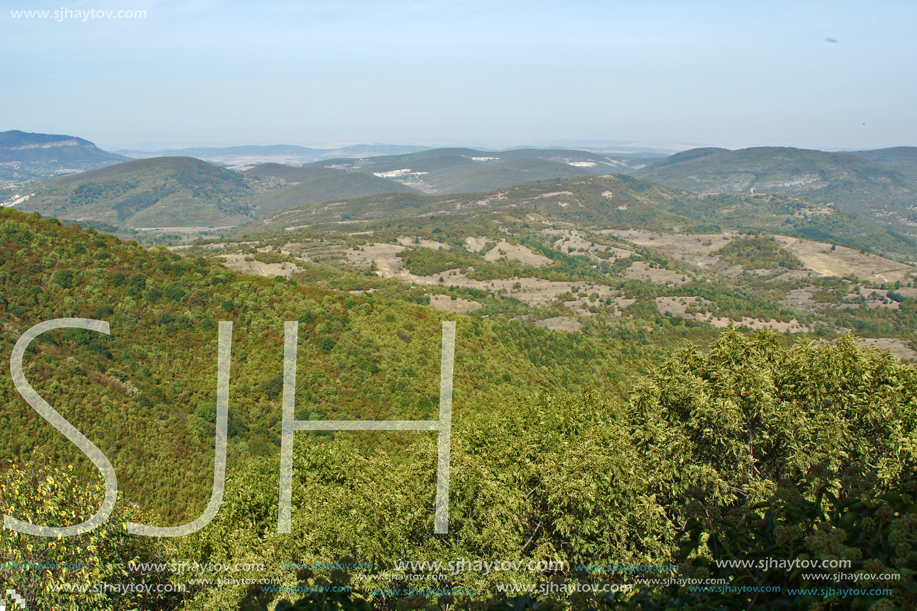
point(145, 394)
point(585, 449)
point(164, 192)
point(851, 182)
point(324, 188)
point(615, 201)
point(901, 159)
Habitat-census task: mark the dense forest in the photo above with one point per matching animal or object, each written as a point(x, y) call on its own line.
point(570, 453)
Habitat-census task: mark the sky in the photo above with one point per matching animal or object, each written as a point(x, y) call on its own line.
point(830, 75)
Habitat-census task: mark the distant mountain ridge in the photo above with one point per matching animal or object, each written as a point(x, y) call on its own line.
point(277, 153)
point(28, 156)
point(873, 184)
point(17, 140)
point(901, 159)
point(465, 170)
point(615, 201)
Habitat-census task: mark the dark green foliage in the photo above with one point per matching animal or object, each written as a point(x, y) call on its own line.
point(149, 192)
point(327, 601)
point(63, 278)
point(876, 534)
point(153, 295)
point(174, 292)
point(90, 193)
point(136, 284)
point(271, 386)
point(326, 344)
point(207, 412)
point(128, 206)
point(758, 253)
point(93, 341)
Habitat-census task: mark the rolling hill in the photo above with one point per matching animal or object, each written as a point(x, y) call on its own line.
point(288, 173)
point(187, 193)
point(617, 201)
point(462, 170)
point(324, 188)
point(162, 192)
point(847, 181)
point(901, 159)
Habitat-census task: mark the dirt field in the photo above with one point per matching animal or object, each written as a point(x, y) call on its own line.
point(692, 249)
point(314, 251)
point(816, 256)
point(384, 255)
point(532, 291)
point(518, 253)
point(800, 299)
point(457, 305)
point(568, 238)
point(475, 244)
point(899, 348)
point(640, 270)
point(678, 306)
point(237, 263)
point(845, 261)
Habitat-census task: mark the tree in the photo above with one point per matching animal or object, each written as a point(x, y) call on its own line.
point(725, 427)
point(70, 573)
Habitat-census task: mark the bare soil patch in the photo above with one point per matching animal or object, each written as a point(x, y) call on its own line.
point(818, 257)
point(475, 244)
point(640, 270)
point(457, 305)
point(800, 299)
point(315, 251)
point(571, 239)
point(560, 323)
point(238, 263)
point(531, 291)
point(899, 348)
point(843, 261)
point(385, 257)
point(678, 306)
point(691, 248)
point(518, 253)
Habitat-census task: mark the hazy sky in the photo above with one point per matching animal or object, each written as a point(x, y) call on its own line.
point(831, 74)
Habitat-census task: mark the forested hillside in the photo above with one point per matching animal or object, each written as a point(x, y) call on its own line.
point(146, 393)
point(561, 451)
